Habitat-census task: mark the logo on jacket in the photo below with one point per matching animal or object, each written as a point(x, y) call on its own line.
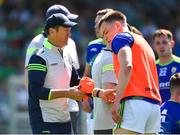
point(93, 50)
point(173, 70)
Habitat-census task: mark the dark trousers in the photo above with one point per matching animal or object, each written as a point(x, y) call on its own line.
point(75, 122)
point(106, 131)
point(51, 128)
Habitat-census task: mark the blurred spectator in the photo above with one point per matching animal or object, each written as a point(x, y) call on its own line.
point(3, 102)
point(148, 29)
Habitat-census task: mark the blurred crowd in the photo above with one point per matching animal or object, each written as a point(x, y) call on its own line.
point(21, 20)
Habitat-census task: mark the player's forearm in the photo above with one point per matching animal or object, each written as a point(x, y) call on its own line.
point(125, 57)
point(87, 70)
point(57, 93)
point(123, 80)
point(38, 91)
point(97, 92)
point(26, 79)
point(107, 95)
point(108, 85)
point(71, 93)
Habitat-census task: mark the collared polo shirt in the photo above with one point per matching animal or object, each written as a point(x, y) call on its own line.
point(48, 69)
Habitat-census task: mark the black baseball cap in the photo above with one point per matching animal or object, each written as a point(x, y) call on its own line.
point(60, 9)
point(58, 19)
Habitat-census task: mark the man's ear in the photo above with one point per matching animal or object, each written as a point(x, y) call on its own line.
point(118, 25)
point(172, 43)
point(51, 31)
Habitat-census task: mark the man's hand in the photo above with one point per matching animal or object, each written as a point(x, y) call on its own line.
point(108, 95)
point(86, 105)
point(76, 94)
point(116, 112)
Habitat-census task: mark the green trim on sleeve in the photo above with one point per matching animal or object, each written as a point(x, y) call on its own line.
point(49, 96)
point(31, 50)
point(39, 67)
point(109, 67)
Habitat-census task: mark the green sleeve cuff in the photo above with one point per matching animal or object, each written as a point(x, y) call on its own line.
point(49, 96)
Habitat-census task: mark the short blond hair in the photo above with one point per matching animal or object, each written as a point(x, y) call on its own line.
point(104, 11)
point(111, 16)
point(101, 13)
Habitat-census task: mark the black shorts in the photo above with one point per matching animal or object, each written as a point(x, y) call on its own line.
point(51, 128)
point(105, 131)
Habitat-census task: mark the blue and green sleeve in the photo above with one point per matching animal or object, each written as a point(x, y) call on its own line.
point(93, 49)
point(37, 71)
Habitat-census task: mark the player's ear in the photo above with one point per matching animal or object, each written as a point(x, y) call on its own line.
point(172, 43)
point(118, 25)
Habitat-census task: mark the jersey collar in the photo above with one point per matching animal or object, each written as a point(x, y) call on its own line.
point(48, 45)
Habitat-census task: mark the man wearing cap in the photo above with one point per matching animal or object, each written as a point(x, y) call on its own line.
point(37, 43)
point(49, 75)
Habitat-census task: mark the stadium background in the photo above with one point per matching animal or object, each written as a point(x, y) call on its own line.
point(21, 20)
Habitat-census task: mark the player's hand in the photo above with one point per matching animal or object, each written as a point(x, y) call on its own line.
point(108, 95)
point(86, 105)
point(115, 112)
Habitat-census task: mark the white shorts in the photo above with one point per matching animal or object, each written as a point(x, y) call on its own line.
point(140, 116)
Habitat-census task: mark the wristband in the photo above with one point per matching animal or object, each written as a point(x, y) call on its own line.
point(97, 94)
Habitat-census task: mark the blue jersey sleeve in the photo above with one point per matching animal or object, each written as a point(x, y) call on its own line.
point(37, 70)
point(93, 49)
point(121, 40)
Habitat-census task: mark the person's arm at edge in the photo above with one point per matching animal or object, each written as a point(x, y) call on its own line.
point(71, 93)
point(125, 56)
point(87, 70)
point(25, 81)
point(37, 71)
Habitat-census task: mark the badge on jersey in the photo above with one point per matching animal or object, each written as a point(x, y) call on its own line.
point(173, 70)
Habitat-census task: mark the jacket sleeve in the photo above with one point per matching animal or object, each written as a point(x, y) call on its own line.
point(37, 71)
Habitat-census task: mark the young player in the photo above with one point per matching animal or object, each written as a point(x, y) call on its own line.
point(167, 63)
point(137, 88)
point(170, 117)
point(104, 77)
